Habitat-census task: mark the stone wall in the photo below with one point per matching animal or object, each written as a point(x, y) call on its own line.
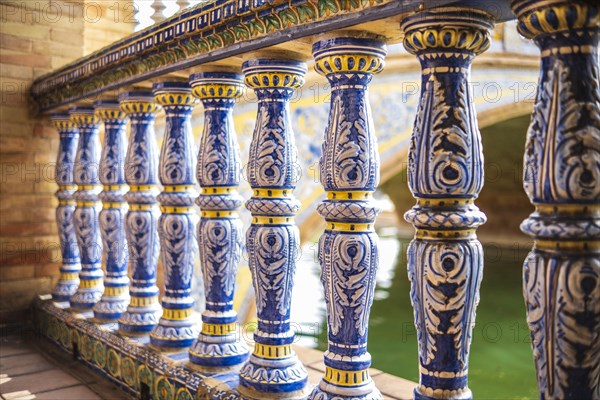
point(37, 36)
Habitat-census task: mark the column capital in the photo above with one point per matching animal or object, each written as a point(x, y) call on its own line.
point(537, 18)
point(138, 103)
point(217, 85)
point(62, 122)
point(349, 55)
point(109, 111)
point(448, 31)
point(82, 116)
point(174, 94)
point(271, 73)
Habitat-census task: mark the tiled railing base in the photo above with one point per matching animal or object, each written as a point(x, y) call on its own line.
point(138, 369)
point(147, 374)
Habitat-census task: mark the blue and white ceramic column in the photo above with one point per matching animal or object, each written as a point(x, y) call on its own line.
point(220, 229)
point(561, 276)
point(348, 249)
point(177, 224)
point(115, 299)
point(88, 206)
point(273, 238)
point(68, 281)
point(141, 220)
point(445, 175)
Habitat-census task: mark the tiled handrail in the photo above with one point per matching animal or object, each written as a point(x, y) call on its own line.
point(208, 32)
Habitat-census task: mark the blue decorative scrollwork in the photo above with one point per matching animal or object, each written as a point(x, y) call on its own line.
point(445, 173)
point(85, 218)
point(141, 221)
point(220, 229)
point(69, 270)
point(348, 248)
point(273, 238)
point(177, 224)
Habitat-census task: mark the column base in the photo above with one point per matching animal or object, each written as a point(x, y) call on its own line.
point(139, 320)
point(327, 391)
point(86, 299)
point(218, 351)
point(424, 393)
point(261, 377)
point(110, 308)
point(173, 334)
point(64, 290)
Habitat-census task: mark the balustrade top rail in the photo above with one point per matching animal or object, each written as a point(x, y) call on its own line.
point(215, 30)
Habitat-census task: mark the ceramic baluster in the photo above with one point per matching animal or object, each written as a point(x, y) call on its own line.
point(273, 238)
point(88, 206)
point(348, 249)
point(561, 276)
point(115, 299)
point(141, 220)
point(177, 224)
point(68, 281)
point(445, 173)
point(220, 229)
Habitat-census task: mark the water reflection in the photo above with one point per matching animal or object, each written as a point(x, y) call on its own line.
point(501, 365)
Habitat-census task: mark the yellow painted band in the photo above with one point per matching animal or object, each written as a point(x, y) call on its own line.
point(269, 351)
point(141, 188)
point(219, 214)
point(111, 205)
point(177, 188)
point(557, 245)
point(350, 195)
point(345, 227)
point(272, 193)
point(218, 189)
point(218, 329)
point(88, 203)
point(442, 374)
point(346, 378)
point(88, 187)
point(568, 50)
point(69, 276)
point(273, 220)
point(67, 187)
point(90, 283)
point(176, 210)
point(568, 208)
point(177, 315)
point(443, 234)
point(142, 207)
point(143, 301)
point(114, 187)
point(441, 202)
point(115, 291)
point(66, 202)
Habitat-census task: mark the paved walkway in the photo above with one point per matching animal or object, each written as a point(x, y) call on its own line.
point(33, 369)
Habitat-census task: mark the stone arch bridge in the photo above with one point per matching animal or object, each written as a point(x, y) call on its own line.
point(503, 86)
